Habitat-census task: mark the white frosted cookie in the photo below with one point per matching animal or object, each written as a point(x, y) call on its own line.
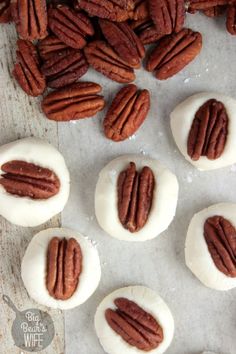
point(181, 122)
point(148, 301)
point(34, 269)
point(163, 200)
point(29, 210)
point(210, 247)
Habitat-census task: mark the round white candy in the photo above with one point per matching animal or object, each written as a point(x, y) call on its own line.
point(25, 211)
point(34, 269)
point(197, 255)
point(163, 204)
point(181, 121)
point(149, 301)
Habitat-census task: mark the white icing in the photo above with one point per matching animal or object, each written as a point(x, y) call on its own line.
point(33, 269)
point(25, 211)
point(181, 122)
point(163, 204)
point(197, 256)
point(147, 299)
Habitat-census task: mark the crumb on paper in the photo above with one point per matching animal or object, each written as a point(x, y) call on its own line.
point(132, 137)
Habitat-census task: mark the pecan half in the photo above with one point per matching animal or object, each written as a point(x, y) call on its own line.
point(167, 15)
point(214, 11)
point(5, 11)
point(29, 180)
point(231, 19)
point(220, 236)
point(195, 5)
point(141, 10)
point(127, 112)
point(70, 26)
point(50, 45)
point(64, 266)
point(76, 101)
point(136, 326)
point(209, 130)
point(30, 18)
point(105, 60)
point(114, 10)
point(135, 194)
point(146, 31)
point(174, 52)
point(26, 71)
point(124, 41)
point(64, 67)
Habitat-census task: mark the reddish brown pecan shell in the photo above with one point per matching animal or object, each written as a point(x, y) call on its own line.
point(194, 5)
point(30, 18)
point(70, 26)
point(220, 236)
point(5, 11)
point(174, 52)
point(209, 130)
point(135, 195)
point(231, 19)
point(76, 101)
point(28, 180)
point(64, 266)
point(105, 60)
point(146, 31)
point(127, 112)
point(136, 326)
point(50, 45)
point(141, 10)
point(26, 70)
point(214, 11)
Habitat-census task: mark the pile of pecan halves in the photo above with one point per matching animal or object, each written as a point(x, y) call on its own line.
point(59, 40)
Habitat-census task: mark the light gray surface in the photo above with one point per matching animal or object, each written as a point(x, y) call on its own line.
point(205, 319)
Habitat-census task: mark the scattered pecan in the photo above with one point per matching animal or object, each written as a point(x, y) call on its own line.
point(50, 45)
point(64, 67)
point(231, 19)
point(28, 180)
point(30, 18)
point(220, 236)
point(141, 10)
point(135, 194)
point(64, 266)
point(26, 70)
point(127, 112)
point(70, 26)
point(5, 11)
point(174, 52)
point(214, 11)
point(124, 41)
point(77, 101)
point(136, 326)
point(209, 130)
point(105, 60)
point(146, 31)
point(194, 5)
point(167, 15)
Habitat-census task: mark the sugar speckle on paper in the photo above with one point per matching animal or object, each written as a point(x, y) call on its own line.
point(186, 80)
point(132, 137)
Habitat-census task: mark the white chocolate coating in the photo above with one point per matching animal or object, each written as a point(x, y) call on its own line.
point(197, 256)
point(181, 122)
point(163, 205)
point(34, 263)
point(147, 299)
point(25, 211)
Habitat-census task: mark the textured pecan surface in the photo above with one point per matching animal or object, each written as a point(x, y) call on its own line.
point(29, 180)
point(5, 11)
point(135, 194)
point(124, 41)
point(70, 26)
point(146, 31)
point(136, 326)
point(26, 70)
point(64, 67)
point(206, 4)
point(214, 11)
point(64, 266)
point(220, 236)
point(50, 45)
point(104, 59)
point(127, 112)
point(231, 19)
point(209, 130)
point(30, 18)
point(141, 10)
point(174, 52)
point(167, 15)
point(76, 101)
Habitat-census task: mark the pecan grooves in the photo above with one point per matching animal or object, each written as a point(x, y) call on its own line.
point(220, 236)
point(5, 11)
point(231, 19)
point(105, 60)
point(136, 326)
point(141, 10)
point(50, 45)
point(209, 130)
point(64, 266)
point(76, 101)
point(174, 52)
point(26, 71)
point(29, 180)
point(214, 11)
point(146, 31)
point(195, 5)
point(135, 195)
point(127, 112)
